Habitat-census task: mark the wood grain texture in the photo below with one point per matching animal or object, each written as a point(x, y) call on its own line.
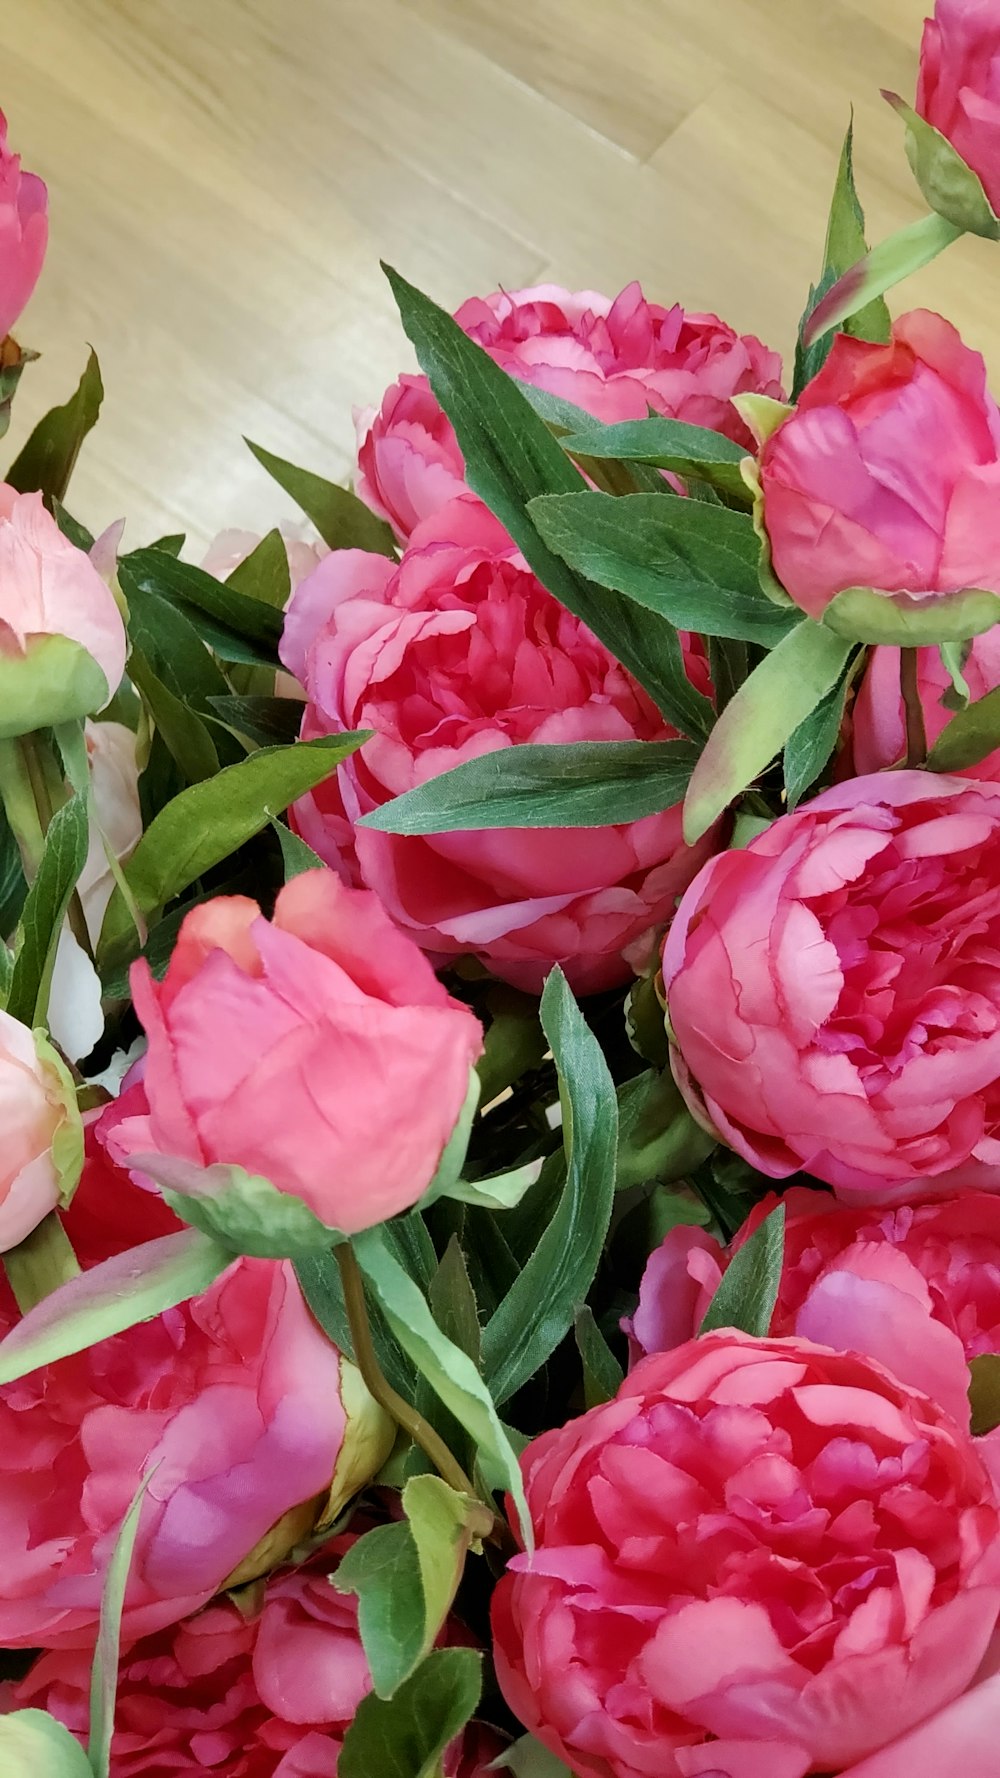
point(226, 175)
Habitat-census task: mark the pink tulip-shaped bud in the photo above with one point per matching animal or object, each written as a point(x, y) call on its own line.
point(42, 1150)
point(24, 232)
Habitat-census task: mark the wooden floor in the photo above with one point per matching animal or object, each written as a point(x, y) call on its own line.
point(226, 175)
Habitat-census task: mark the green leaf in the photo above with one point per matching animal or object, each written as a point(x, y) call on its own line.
point(450, 1372)
point(132, 1287)
point(45, 910)
point(510, 457)
point(13, 887)
point(810, 746)
point(342, 520)
point(667, 444)
point(207, 822)
point(894, 259)
point(170, 642)
point(538, 1310)
point(267, 721)
point(295, 854)
point(242, 1210)
point(497, 1191)
point(405, 1736)
point(47, 461)
point(184, 733)
point(845, 244)
point(602, 1374)
point(779, 694)
point(984, 1393)
point(864, 615)
point(34, 1745)
point(748, 1292)
point(969, 737)
point(173, 543)
point(529, 1759)
point(72, 528)
point(453, 1301)
point(264, 574)
point(13, 359)
point(579, 784)
point(383, 1570)
point(104, 1675)
point(695, 565)
point(657, 1136)
point(200, 595)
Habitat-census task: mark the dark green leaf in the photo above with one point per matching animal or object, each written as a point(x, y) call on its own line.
point(749, 1290)
point(581, 784)
point(13, 359)
point(729, 666)
point(510, 457)
point(13, 887)
point(405, 1736)
point(47, 461)
point(45, 910)
point(667, 444)
point(845, 245)
point(200, 595)
point(810, 746)
point(208, 821)
point(342, 520)
point(453, 1301)
point(264, 574)
point(295, 854)
point(265, 720)
point(184, 733)
point(538, 1310)
point(969, 737)
point(602, 1374)
point(984, 1393)
point(695, 565)
point(71, 527)
point(779, 694)
point(319, 1276)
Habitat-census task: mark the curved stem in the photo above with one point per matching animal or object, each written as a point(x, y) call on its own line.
point(378, 1385)
point(916, 733)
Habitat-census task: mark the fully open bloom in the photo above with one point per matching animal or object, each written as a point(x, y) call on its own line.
point(248, 1415)
point(317, 1051)
point(917, 1288)
point(843, 504)
point(959, 86)
point(834, 990)
point(457, 652)
point(762, 1559)
point(615, 360)
point(62, 638)
point(41, 1149)
point(239, 1691)
point(24, 232)
point(878, 724)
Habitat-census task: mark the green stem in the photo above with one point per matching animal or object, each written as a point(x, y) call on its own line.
point(916, 732)
point(378, 1385)
point(40, 1263)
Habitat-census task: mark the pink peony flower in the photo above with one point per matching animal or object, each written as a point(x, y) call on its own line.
point(250, 1417)
point(41, 1142)
point(762, 1559)
point(916, 1288)
point(316, 1050)
point(878, 727)
point(24, 233)
point(240, 1691)
point(616, 360)
point(834, 990)
point(51, 594)
point(457, 652)
point(959, 86)
point(843, 505)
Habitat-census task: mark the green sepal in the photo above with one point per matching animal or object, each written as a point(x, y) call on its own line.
point(67, 1142)
point(55, 680)
point(864, 615)
point(948, 183)
point(34, 1745)
point(241, 1210)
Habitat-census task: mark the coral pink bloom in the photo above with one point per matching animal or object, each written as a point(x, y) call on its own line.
point(458, 652)
point(917, 1288)
point(24, 233)
point(834, 990)
point(234, 1399)
point(878, 728)
point(251, 1691)
point(845, 504)
point(615, 360)
point(316, 1050)
point(959, 86)
point(762, 1559)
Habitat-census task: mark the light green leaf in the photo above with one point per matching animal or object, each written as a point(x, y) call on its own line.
point(580, 784)
point(208, 821)
point(539, 1307)
point(668, 444)
point(695, 565)
point(264, 574)
point(602, 1374)
point(34, 1745)
point(450, 1372)
point(510, 457)
point(405, 1736)
point(132, 1287)
point(45, 910)
point(864, 615)
point(383, 1570)
point(969, 737)
point(779, 694)
point(845, 245)
point(53, 680)
point(48, 459)
point(894, 259)
point(342, 520)
point(748, 1292)
point(104, 1675)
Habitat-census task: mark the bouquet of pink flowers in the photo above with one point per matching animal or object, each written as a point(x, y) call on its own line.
point(500, 1054)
